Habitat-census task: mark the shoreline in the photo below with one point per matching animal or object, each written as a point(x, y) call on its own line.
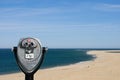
point(105, 66)
point(51, 60)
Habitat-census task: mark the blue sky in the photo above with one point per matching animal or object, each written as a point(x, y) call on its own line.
point(61, 24)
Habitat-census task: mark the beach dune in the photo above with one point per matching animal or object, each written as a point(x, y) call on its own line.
point(106, 66)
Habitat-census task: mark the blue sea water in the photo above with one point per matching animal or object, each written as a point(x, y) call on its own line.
point(53, 58)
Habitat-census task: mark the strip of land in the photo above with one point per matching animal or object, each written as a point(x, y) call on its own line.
point(106, 66)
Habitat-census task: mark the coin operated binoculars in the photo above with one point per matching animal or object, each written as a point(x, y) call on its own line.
point(29, 55)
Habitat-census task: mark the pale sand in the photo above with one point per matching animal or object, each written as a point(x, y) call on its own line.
point(105, 67)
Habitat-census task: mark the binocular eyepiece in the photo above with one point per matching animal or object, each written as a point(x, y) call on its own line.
point(28, 45)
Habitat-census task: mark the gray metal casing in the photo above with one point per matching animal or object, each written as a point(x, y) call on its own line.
point(29, 65)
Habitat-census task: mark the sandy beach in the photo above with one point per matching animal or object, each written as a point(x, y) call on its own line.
point(106, 66)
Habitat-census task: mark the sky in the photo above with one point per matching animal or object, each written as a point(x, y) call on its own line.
point(61, 23)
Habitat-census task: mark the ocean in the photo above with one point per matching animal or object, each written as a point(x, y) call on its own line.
point(53, 58)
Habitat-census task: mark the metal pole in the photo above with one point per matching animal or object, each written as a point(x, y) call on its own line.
point(29, 76)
